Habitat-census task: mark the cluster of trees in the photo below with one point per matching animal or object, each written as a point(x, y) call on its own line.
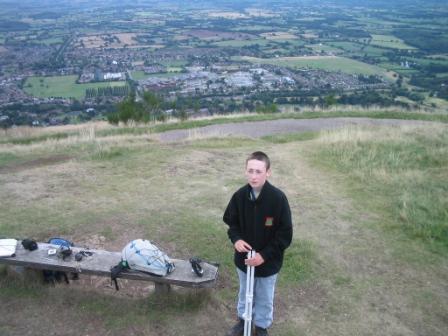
point(9, 118)
point(146, 109)
point(427, 76)
point(152, 107)
point(116, 91)
point(344, 33)
point(371, 79)
point(436, 85)
point(269, 108)
point(428, 40)
point(6, 26)
point(366, 98)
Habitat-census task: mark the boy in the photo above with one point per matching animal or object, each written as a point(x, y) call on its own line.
point(259, 218)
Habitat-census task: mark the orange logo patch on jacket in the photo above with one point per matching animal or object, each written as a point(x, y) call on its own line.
point(269, 221)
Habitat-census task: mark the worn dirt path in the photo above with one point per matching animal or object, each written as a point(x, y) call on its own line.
point(256, 129)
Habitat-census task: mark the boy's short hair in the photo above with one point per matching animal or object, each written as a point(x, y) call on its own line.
point(260, 156)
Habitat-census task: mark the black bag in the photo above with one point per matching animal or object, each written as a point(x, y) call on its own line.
point(52, 277)
point(29, 244)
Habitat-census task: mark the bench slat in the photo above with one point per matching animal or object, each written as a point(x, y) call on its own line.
point(101, 261)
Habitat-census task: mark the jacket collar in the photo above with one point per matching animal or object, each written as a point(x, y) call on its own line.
point(262, 191)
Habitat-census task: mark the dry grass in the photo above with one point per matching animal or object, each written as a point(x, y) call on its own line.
point(395, 162)
point(97, 146)
point(361, 109)
point(355, 134)
point(27, 131)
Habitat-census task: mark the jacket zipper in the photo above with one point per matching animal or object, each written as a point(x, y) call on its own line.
point(255, 223)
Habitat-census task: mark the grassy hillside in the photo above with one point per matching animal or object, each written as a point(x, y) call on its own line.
point(407, 168)
point(369, 254)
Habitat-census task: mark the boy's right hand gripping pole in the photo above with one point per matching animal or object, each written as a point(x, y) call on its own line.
point(249, 296)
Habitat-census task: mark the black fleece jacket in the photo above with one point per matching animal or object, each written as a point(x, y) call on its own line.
point(264, 223)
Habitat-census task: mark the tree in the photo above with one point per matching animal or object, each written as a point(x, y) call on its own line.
point(196, 105)
point(127, 109)
point(5, 123)
point(151, 107)
point(113, 118)
point(330, 100)
point(183, 115)
point(400, 81)
point(269, 108)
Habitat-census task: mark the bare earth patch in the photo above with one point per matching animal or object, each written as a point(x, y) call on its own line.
point(41, 162)
point(257, 129)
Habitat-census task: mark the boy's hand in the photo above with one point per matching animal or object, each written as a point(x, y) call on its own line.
point(255, 261)
point(242, 246)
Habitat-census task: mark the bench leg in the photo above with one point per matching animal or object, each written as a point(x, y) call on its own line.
point(24, 274)
point(162, 288)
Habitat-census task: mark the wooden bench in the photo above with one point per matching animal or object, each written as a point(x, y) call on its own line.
point(101, 262)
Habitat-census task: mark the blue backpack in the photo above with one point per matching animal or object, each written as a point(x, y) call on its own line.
point(60, 242)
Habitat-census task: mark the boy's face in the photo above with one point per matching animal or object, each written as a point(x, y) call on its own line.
point(256, 173)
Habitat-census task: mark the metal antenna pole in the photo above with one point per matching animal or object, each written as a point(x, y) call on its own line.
point(249, 296)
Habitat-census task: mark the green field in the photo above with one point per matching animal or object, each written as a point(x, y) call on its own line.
point(49, 41)
point(62, 86)
point(428, 61)
point(373, 51)
point(375, 22)
point(243, 43)
point(139, 75)
point(174, 63)
point(358, 49)
point(345, 45)
point(443, 57)
point(442, 75)
point(389, 41)
point(327, 63)
point(275, 51)
point(398, 68)
point(325, 48)
point(293, 43)
point(254, 28)
point(404, 71)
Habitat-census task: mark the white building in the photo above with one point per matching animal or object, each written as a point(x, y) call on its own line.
point(114, 76)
